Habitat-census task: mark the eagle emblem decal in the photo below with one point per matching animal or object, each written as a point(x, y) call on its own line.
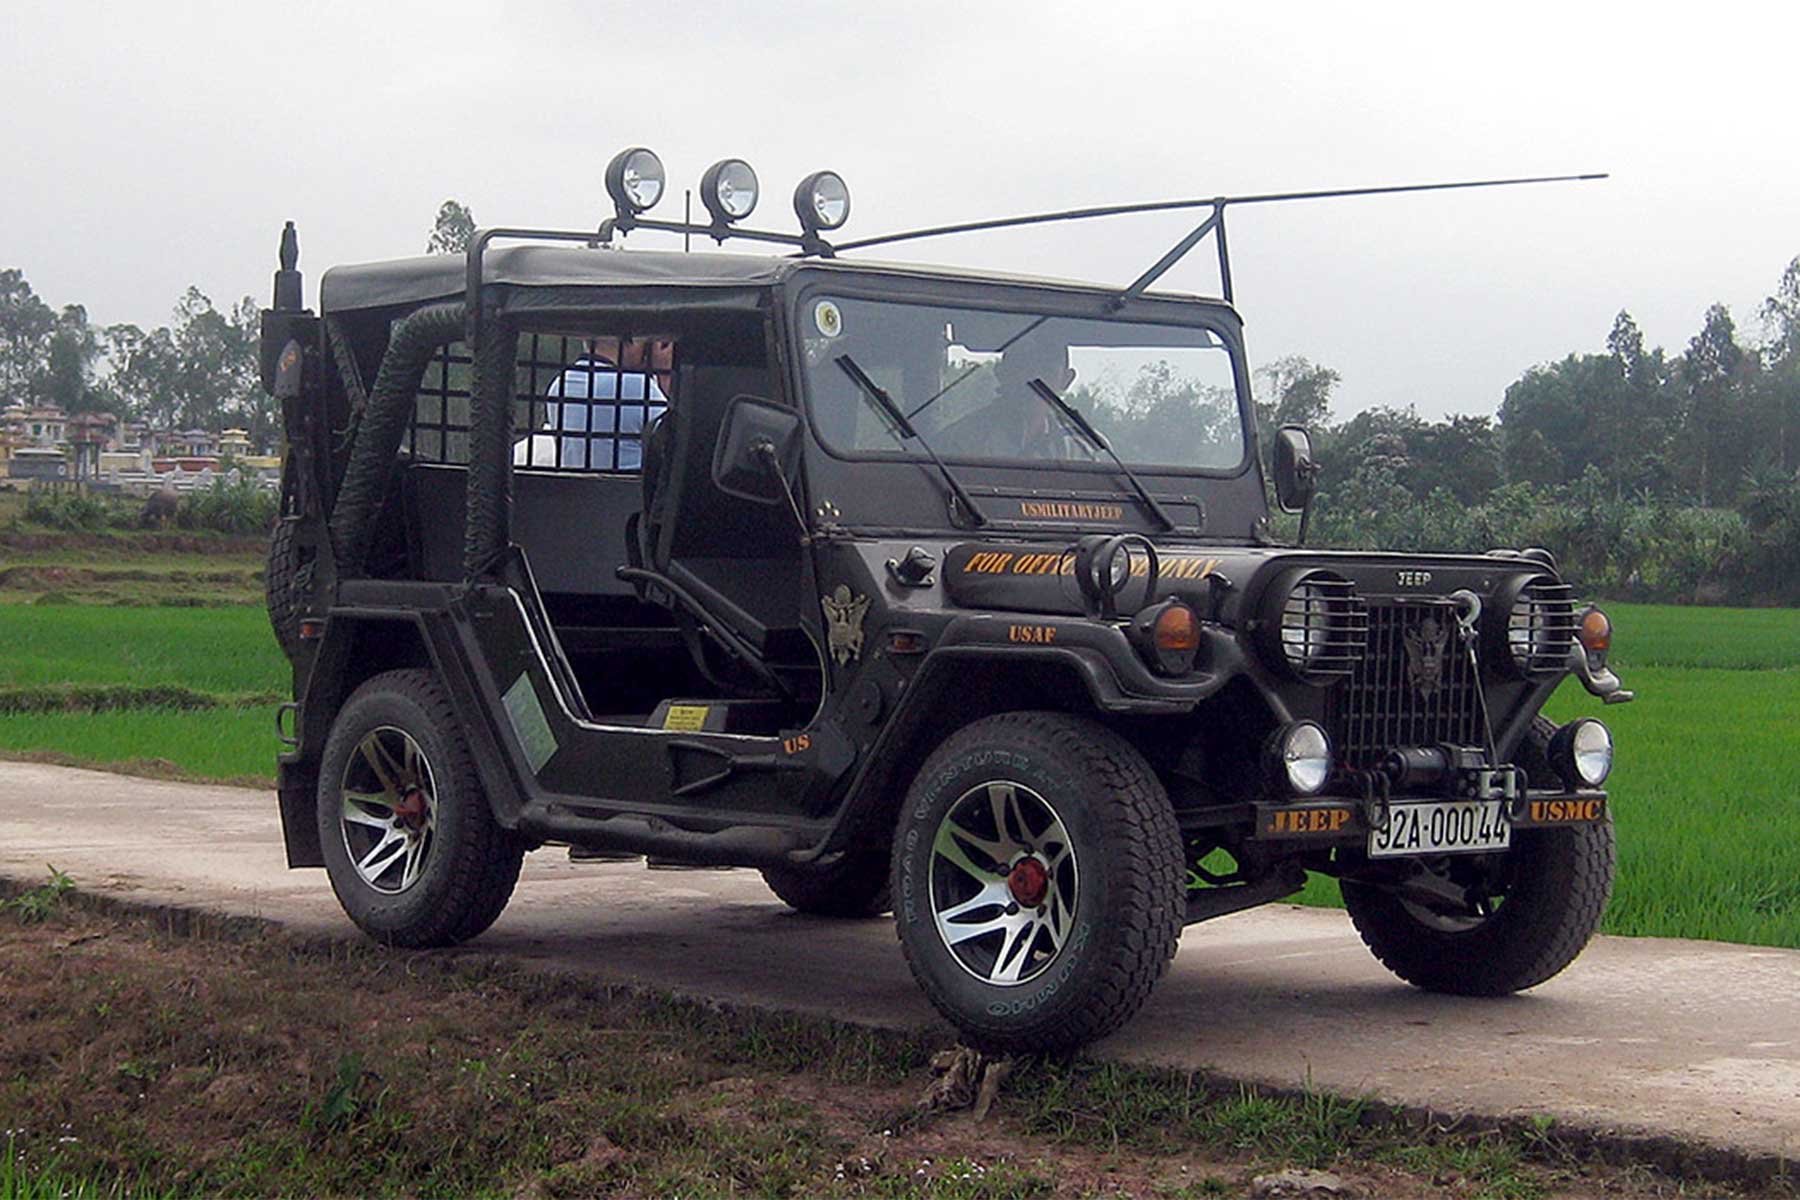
point(844, 613)
point(1425, 646)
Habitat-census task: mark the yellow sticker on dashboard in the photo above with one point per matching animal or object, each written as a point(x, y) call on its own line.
point(686, 718)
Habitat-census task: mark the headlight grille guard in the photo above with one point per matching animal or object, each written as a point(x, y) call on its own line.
point(1551, 623)
point(1335, 610)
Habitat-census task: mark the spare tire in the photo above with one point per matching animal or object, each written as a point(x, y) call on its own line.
point(286, 578)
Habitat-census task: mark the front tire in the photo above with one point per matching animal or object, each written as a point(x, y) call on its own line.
point(410, 843)
point(1037, 881)
point(1556, 883)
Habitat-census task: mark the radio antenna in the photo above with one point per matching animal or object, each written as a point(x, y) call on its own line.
point(1214, 223)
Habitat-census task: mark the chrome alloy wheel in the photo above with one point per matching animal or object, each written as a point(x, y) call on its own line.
point(1002, 883)
point(389, 810)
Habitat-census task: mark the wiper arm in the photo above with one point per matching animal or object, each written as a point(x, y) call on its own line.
point(1073, 416)
point(904, 427)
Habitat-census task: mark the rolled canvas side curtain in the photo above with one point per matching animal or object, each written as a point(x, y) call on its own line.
point(411, 343)
point(488, 528)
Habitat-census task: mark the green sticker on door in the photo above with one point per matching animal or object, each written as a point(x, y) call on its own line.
point(530, 725)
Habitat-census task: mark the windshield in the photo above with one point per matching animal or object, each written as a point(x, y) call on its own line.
point(1164, 396)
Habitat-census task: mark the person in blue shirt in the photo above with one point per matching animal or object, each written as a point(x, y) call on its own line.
point(608, 398)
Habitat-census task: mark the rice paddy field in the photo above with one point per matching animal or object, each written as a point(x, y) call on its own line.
point(1706, 792)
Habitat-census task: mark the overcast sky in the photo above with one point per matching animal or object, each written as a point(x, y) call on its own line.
point(148, 146)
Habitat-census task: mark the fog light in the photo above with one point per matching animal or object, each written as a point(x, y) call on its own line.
point(634, 179)
point(822, 201)
point(728, 189)
point(1302, 757)
point(1582, 752)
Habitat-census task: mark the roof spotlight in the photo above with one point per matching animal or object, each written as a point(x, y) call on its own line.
point(822, 201)
point(634, 179)
point(728, 189)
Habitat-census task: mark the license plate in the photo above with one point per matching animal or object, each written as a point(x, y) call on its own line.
point(1442, 827)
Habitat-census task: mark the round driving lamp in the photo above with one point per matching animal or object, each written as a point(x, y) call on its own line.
point(822, 201)
point(1300, 754)
point(728, 189)
point(1582, 752)
point(1167, 636)
point(1118, 571)
point(634, 179)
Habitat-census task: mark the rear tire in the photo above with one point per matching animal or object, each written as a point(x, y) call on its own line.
point(1023, 958)
point(410, 843)
point(855, 886)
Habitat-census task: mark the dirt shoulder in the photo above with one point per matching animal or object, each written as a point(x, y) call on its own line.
point(225, 1058)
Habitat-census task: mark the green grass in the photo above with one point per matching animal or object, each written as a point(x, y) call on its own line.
point(1706, 800)
point(1665, 635)
point(235, 744)
point(229, 651)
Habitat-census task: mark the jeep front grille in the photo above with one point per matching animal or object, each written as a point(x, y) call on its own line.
point(1415, 687)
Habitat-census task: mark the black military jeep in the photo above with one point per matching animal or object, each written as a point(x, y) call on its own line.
point(917, 589)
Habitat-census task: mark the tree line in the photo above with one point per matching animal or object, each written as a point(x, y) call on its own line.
point(196, 372)
point(199, 371)
point(1652, 475)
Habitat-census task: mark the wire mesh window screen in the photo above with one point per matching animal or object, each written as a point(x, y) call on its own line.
point(440, 424)
point(581, 403)
point(584, 403)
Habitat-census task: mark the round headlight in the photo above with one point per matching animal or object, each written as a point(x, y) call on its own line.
point(822, 201)
point(1303, 755)
point(1541, 626)
point(634, 179)
point(728, 189)
point(1305, 626)
point(1313, 624)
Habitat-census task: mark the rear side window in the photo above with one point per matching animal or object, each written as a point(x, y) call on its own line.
point(582, 402)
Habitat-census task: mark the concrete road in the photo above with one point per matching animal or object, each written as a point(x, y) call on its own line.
point(1644, 1036)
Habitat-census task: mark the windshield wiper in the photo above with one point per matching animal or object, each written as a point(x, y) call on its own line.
point(1073, 416)
point(904, 428)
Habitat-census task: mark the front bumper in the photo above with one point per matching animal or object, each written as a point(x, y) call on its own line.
point(1349, 820)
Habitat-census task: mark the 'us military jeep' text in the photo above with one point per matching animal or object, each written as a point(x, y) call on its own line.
point(918, 589)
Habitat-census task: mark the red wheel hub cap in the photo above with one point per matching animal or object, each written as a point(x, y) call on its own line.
point(411, 809)
point(1028, 881)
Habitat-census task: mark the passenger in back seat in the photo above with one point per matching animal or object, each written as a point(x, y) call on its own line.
point(609, 397)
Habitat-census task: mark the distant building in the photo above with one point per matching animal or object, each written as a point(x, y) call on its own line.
point(89, 435)
point(37, 462)
point(189, 443)
point(43, 426)
point(42, 442)
point(234, 443)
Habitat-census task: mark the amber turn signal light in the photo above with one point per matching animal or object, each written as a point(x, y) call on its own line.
point(1177, 629)
point(1595, 632)
point(1167, 635)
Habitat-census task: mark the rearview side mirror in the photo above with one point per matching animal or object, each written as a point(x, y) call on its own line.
point(1295, 469)
point(759, 442)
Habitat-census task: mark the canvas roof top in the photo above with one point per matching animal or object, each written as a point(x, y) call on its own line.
point(444, 276)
